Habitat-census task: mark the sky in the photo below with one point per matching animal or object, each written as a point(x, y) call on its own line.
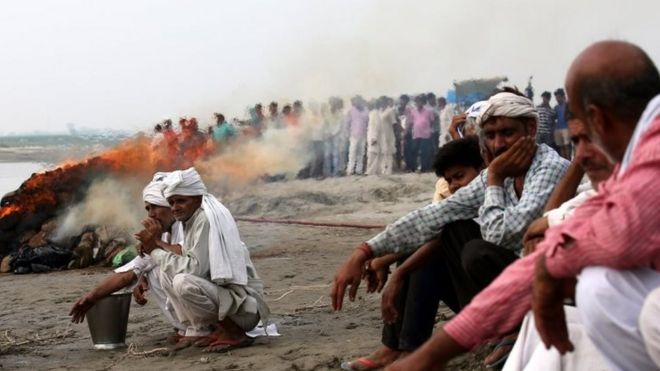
point(127, 64)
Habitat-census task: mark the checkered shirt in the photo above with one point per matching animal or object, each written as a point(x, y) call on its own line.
point(503, 216)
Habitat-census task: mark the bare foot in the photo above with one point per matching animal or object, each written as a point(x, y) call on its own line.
point(377, 360)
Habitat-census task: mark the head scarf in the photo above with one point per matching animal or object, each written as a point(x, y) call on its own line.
point(507, 105)
point(153, 194)
point(227, 253)
point(475, 110)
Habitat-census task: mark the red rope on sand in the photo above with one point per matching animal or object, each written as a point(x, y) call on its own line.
point(315, 224)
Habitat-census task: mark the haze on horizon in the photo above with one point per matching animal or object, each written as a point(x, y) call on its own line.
point(125, 65)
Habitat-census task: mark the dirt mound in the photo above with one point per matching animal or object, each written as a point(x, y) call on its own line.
point(333, 196)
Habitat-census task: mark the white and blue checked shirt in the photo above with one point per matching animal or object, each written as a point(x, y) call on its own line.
point(503, 217)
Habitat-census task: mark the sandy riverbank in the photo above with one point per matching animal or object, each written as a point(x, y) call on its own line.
point(296, 262)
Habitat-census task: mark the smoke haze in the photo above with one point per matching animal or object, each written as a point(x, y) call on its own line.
point(127, 64)
point(110, 202)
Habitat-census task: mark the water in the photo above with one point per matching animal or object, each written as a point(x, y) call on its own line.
point(12, 174)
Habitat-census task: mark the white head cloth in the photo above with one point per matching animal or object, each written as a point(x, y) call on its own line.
point(153, 194)
point(226, 250)
point(475, 110)
point(507, 105)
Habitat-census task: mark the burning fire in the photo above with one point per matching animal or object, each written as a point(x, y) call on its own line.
point(136, 157)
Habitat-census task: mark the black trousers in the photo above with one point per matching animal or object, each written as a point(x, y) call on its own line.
point(465, 265)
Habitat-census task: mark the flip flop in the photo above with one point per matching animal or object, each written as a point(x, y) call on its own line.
point(361, 364)
point(224, 345)
point(506, 342)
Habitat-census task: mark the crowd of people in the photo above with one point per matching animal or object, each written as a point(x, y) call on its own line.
point(527, 247)
point(376, 137)
point(527, 254)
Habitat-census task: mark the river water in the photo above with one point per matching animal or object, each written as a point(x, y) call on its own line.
point(12, 174)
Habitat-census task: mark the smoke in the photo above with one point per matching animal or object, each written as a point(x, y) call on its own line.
point(117, 200)
point(277, 151)
point(111, 201)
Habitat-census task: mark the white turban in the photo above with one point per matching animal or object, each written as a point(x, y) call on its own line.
point(227, 253)
point(153, 194)
point(183, 183)
point(507, 105)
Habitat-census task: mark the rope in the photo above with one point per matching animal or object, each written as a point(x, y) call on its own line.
point(314, 224)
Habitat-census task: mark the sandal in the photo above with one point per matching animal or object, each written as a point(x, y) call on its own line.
point(506, 342)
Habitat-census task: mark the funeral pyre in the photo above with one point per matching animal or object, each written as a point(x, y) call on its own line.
point(30, 217)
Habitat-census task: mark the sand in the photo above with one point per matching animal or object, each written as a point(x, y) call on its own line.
point(297, 264)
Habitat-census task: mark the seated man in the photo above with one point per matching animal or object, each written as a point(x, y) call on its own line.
point(529, 353)
point(160, 223)
point(458, 162)
point(213, 286)
point(478, 230)
point(611, 239)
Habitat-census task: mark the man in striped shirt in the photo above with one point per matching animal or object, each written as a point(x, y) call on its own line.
point(612, 85)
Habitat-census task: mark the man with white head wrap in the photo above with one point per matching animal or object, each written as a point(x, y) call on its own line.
point(141, 269)
point(213, 285)
point(480, 227)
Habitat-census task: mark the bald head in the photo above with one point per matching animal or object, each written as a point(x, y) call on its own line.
point(615, 75)
point(609, 85)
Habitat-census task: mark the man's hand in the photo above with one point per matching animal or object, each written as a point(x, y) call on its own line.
point(535, 233)
point(456, 122)
point(350, 273)
point(375, 273)
point(548, 295)
point(154, 227)
point(388, 300)
point(147, 241)
point(139, 290)
point(513, 162)
point(80, 307)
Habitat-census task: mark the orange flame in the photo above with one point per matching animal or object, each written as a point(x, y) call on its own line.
point(135, 156)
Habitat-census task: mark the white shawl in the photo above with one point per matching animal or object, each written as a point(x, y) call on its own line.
point(226, 250)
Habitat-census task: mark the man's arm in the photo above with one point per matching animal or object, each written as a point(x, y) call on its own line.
point(194, 260)
point(407, 234)
point(114, 282)
point(414, 229)
point(566, 188)
point(616, 228)
point(432, 355)
point(175, 249)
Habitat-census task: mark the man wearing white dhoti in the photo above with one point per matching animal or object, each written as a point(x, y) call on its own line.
point(381, 145)
point(213, 285)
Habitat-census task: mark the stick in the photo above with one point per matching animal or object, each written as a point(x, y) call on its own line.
point(283, 295)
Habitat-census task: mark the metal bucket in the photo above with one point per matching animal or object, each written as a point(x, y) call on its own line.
point(108, 320)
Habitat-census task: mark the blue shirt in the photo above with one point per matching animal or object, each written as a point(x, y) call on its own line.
point(560, 113)
point(223, 132)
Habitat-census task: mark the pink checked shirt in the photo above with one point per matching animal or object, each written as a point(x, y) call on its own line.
point(617, 228)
